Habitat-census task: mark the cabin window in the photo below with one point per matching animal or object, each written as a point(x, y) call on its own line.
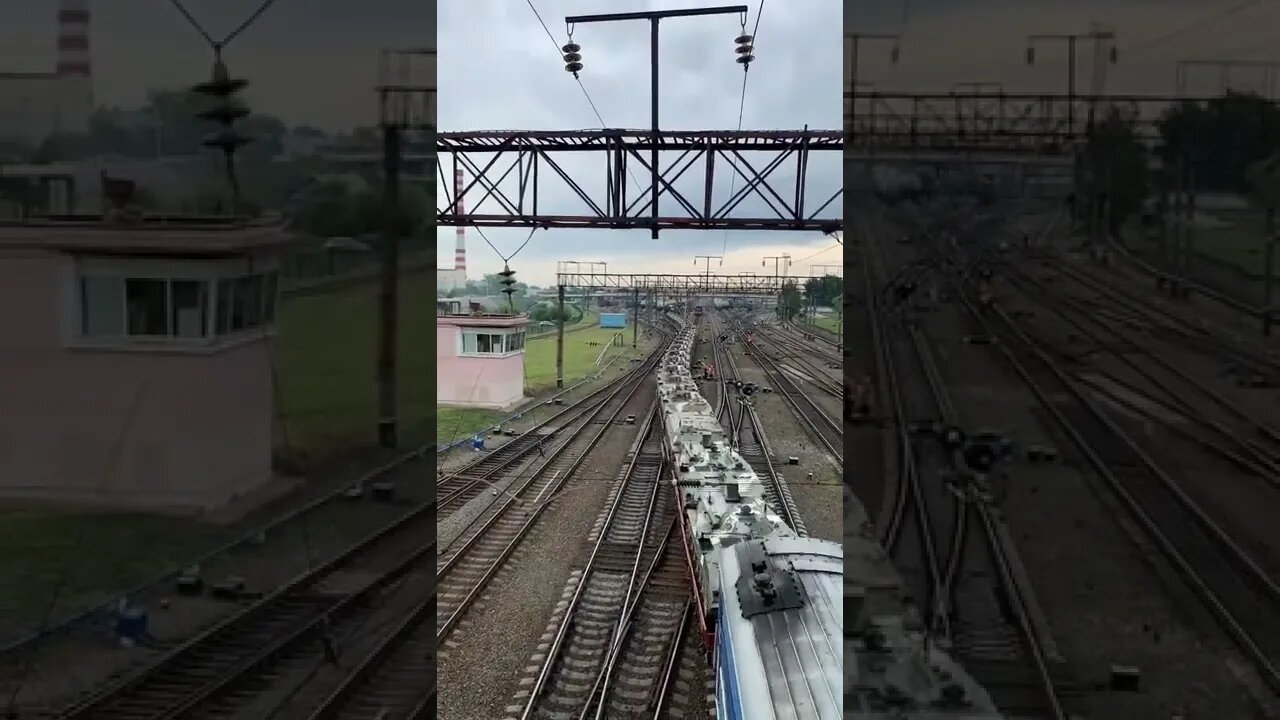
point(487, 343)
point(150, 309)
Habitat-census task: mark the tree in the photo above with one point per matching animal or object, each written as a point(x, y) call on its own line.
point(825, 290)
point(1264, 188)
point(1221, 138)
point(1115, 170)
point(789, 302)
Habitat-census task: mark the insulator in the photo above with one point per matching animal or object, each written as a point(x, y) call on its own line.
point(573, 67)
point(745, 59)
point(572, 57)
point(743, 39)
point(744, 50)
point(571, 48)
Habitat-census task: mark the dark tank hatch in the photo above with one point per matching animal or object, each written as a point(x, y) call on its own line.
point(765, 585)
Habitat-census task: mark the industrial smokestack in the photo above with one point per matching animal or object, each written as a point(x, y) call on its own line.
point(73, 39)
point(460, 248)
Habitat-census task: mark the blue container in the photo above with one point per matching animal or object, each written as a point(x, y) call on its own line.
point(477, 442)
point(132, 624)
point(613, 320)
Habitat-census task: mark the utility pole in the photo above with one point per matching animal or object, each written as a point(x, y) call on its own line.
point(708, 258)
point(1095, 36)
point(389, 292)
point(573, 65)
point(560, 337)
point(635, 316)
point(777, 264)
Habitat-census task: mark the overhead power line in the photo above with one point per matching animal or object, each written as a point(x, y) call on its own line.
point(556, 45)
point(1196, 26)
point(742, 104)
point(219, 44)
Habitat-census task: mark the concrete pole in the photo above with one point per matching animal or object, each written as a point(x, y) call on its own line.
point(560, 337)
point(1268, 269)
point(389, 291)
point(635, 315)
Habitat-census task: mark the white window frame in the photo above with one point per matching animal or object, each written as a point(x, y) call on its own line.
point(502, 332)
point(169, 269)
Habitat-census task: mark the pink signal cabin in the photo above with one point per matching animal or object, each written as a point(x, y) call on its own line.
point(480, 360)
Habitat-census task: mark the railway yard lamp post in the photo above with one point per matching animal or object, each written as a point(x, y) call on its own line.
point(1071, 39)
point(573, 64)
point(777, 262)
point(708, 258)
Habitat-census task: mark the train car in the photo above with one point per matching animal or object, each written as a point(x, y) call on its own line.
point(757, 584)
point(697, 310)
point(895, 670)
point(777, 622)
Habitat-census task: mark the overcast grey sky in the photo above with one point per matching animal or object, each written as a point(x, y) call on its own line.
point(309, 61)
point(949, 41)
point(499, 70)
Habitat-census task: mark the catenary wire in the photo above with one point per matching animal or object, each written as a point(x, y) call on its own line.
point(1201, 24)
point(742, 104)
point(215, 44)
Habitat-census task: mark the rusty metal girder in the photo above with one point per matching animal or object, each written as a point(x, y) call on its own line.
point(507, 175)
point(985, 123)
point(748, 284)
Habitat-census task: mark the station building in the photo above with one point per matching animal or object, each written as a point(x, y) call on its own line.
point(135, 359)
point(480, 359)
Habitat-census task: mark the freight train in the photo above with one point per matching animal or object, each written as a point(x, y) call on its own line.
point(772, 604)
point(768, 600)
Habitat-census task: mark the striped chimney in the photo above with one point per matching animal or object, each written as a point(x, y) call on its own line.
point(460, 247)
point(73, 38)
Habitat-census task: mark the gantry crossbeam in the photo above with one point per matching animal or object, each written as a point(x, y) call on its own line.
point(677, 284)
point(993, 123)
point(509, 173)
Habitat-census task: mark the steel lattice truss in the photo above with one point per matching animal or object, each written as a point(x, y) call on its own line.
point(1014, 124)
point(509, 172)
point(677, 284)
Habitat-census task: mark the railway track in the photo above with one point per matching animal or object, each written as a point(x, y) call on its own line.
point(466, 567)
point(1230, 583)
point(824, 428)
point(331, 506)
point(990, 628)
point(1163, 375)
point(457, 488)
point(796, 355)
point(216, 673)
point(748, 436)
point(624, 611)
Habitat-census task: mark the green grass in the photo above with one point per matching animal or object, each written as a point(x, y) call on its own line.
point(91, 552)
point(1241, 244)
point(579, 356)
point(830, 323)
point(455, 423)
point(326, 360)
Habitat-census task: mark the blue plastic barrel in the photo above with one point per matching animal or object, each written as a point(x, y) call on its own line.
point(132, 623)
point(477, 442)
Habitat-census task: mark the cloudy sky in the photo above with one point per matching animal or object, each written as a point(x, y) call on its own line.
point(309, 61)
point(499, 70)
point(950, 41)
